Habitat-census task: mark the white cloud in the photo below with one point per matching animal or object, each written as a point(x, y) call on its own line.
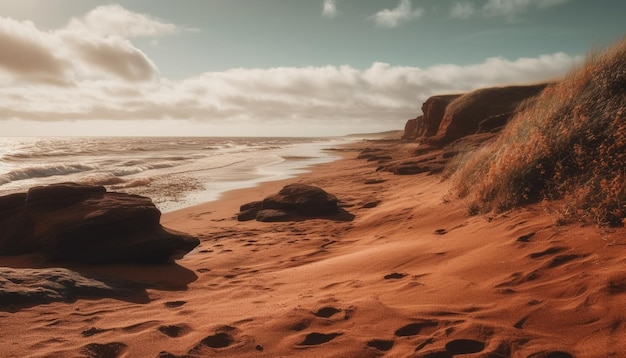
point(509, 9)
point(300, 99)
point(512, 8)
point(94, 55)
point(402, 13)
point(103, 78)
point(30, 54)
point(113, 19)
point(462, 10)
point(329, 8)
point(93, 46)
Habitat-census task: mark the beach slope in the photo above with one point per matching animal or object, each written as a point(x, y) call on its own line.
point(412, 275)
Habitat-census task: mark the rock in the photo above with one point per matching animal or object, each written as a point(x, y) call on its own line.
point(83, 223)
point(26, 287)
point(305, 200)
point(427, 124)
point(292, 202)
point(272, 215)
point(411, 128)
point(249, 211)
point(463, 115)
point(434, 109)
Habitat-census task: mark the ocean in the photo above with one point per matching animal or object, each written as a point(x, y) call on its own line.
point(174, 172)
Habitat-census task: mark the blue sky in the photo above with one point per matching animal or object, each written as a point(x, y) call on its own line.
point(274, 67)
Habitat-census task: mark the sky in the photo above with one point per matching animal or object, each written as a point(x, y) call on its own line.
point(274, 67)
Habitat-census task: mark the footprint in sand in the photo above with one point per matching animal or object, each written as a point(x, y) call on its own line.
point(552, 354)
point(301, 325)
point(563, 259)
point(108, 350)
point(394, 276)
point(174, 304)
point(443, 354)
point(549, 251)
point(92, 331)
point(414, 329)
point(381, 344)
point(314, 339)
point(458, 347)
point(326, 312)
point(172, 330)
point(218, 340)
point(616, 284)
point(464, 346)
point(526, 238)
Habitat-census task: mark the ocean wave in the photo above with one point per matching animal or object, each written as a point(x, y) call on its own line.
point(297, 157)
point(101, 179)
point(133, 184)
point(133, 167)
point(43, 171)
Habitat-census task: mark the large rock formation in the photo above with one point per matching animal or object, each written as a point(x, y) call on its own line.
point(428, 123)
point(292, 201)
point(83, 223)
point(450, 117)
point(463, 115)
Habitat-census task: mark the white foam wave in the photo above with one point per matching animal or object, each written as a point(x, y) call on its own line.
point(43, 171)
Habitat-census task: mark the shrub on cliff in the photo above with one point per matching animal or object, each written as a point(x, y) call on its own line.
point(569, 144)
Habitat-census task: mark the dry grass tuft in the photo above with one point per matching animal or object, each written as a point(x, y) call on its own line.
point(569, 143)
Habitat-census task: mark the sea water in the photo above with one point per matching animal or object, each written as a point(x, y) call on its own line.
point(173, 172)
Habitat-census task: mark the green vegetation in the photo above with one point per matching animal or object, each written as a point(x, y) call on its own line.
point(569, 143)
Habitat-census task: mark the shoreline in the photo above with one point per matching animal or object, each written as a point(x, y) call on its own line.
point(411, 276)
point(259, 190)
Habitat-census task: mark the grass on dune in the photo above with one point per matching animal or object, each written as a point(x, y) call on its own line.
point(569, 143)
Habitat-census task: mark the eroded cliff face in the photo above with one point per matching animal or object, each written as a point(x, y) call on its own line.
point(427, 124)
point(449, 117)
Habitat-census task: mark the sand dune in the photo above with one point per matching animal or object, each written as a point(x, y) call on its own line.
point(411, 276)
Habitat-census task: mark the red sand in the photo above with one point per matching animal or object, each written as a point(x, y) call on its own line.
point(411, 276)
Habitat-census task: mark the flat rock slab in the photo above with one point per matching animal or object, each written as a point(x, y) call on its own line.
point(28, 287)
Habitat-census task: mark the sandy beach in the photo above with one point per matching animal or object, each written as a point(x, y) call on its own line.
point(411, 276)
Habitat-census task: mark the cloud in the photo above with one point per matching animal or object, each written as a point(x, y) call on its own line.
point(402, 13)
point(509, 9)
point(96, 45)
point(329, 8)
point(512, 8)
point(462, 10)
point(108, 56)
point(115, 20)
point(301, 99)
point(29, 54)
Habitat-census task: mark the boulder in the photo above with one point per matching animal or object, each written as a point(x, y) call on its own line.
point(463, 115)
point(305, 200)
point(84, 223)
point(292, 201)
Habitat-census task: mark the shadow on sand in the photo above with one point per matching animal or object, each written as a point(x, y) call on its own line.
point(27, 281)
